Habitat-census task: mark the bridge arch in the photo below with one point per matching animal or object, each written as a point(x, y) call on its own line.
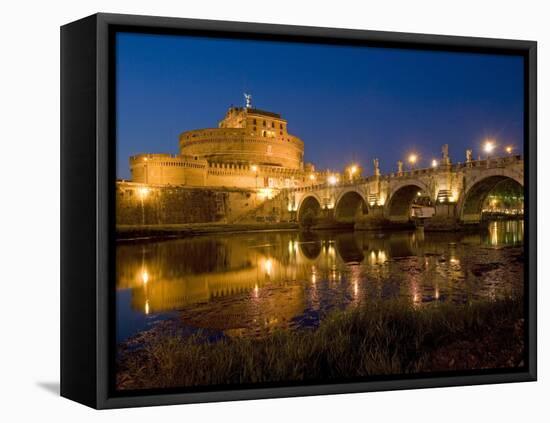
point(475, 193)
point(348, 248)
point(350, 205)
point(309, 206)
point(401, 198)
point(310, 246)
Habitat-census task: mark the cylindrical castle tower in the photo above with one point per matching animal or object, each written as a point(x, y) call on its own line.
point(246, 136)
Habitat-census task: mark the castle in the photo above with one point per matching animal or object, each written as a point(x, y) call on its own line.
point(250, 149)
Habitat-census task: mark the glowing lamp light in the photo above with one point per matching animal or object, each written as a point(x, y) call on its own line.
point(254, 168)
point(332, 180)
point(434, 163)
point(413, 158)
point(268, 266)
point(509, 149)
point(145, 277)
point(266, 193)
point(372, 257)
point(312, 177)
point(453, 197)
point(143, 192)
point(489, 146)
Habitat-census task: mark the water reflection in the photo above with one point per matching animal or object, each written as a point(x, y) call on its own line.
point(247, 284)
point(507, 232)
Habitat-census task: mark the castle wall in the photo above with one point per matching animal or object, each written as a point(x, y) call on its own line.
point(160, 169)
point(138, 204)
point(253, 177)
point(166, 169)
point(238, 146)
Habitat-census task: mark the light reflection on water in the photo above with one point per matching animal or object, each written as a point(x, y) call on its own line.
point(245, 284)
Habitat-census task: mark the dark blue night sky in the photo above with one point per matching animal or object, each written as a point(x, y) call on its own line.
point(346, 103)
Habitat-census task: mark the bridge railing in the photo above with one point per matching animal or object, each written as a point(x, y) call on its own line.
point(490, 163)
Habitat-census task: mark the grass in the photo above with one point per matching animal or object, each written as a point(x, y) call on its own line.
point(383, 339)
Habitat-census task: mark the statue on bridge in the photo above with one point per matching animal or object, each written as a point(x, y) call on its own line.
point(445, 154)
point(468, 156)
point(376, 167)
point(400, 166)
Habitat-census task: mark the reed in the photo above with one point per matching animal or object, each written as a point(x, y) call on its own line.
point(386, 338)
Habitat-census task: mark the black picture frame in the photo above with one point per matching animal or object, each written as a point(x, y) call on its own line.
point(87, 202)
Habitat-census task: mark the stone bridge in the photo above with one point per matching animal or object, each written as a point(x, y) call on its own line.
point(455, 191)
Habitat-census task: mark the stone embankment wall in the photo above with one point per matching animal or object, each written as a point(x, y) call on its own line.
point(138, 204)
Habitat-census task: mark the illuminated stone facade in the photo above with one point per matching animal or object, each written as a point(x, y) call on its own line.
point(249, 149)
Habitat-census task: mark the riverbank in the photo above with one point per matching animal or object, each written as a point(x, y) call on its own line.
point(160, 232)
point(387, 338)
point(154, 232)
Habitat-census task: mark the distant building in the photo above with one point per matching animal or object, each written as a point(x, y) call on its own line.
point(250, 148)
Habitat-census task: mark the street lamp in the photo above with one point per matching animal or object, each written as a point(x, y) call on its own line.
point(332, 180)
point(413, 158)
point(143, 192)
point(434, 163)
point(352, 171)
point(509, 149)
point(489, 147)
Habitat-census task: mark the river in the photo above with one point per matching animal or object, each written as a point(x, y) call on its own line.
point(250, 284)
